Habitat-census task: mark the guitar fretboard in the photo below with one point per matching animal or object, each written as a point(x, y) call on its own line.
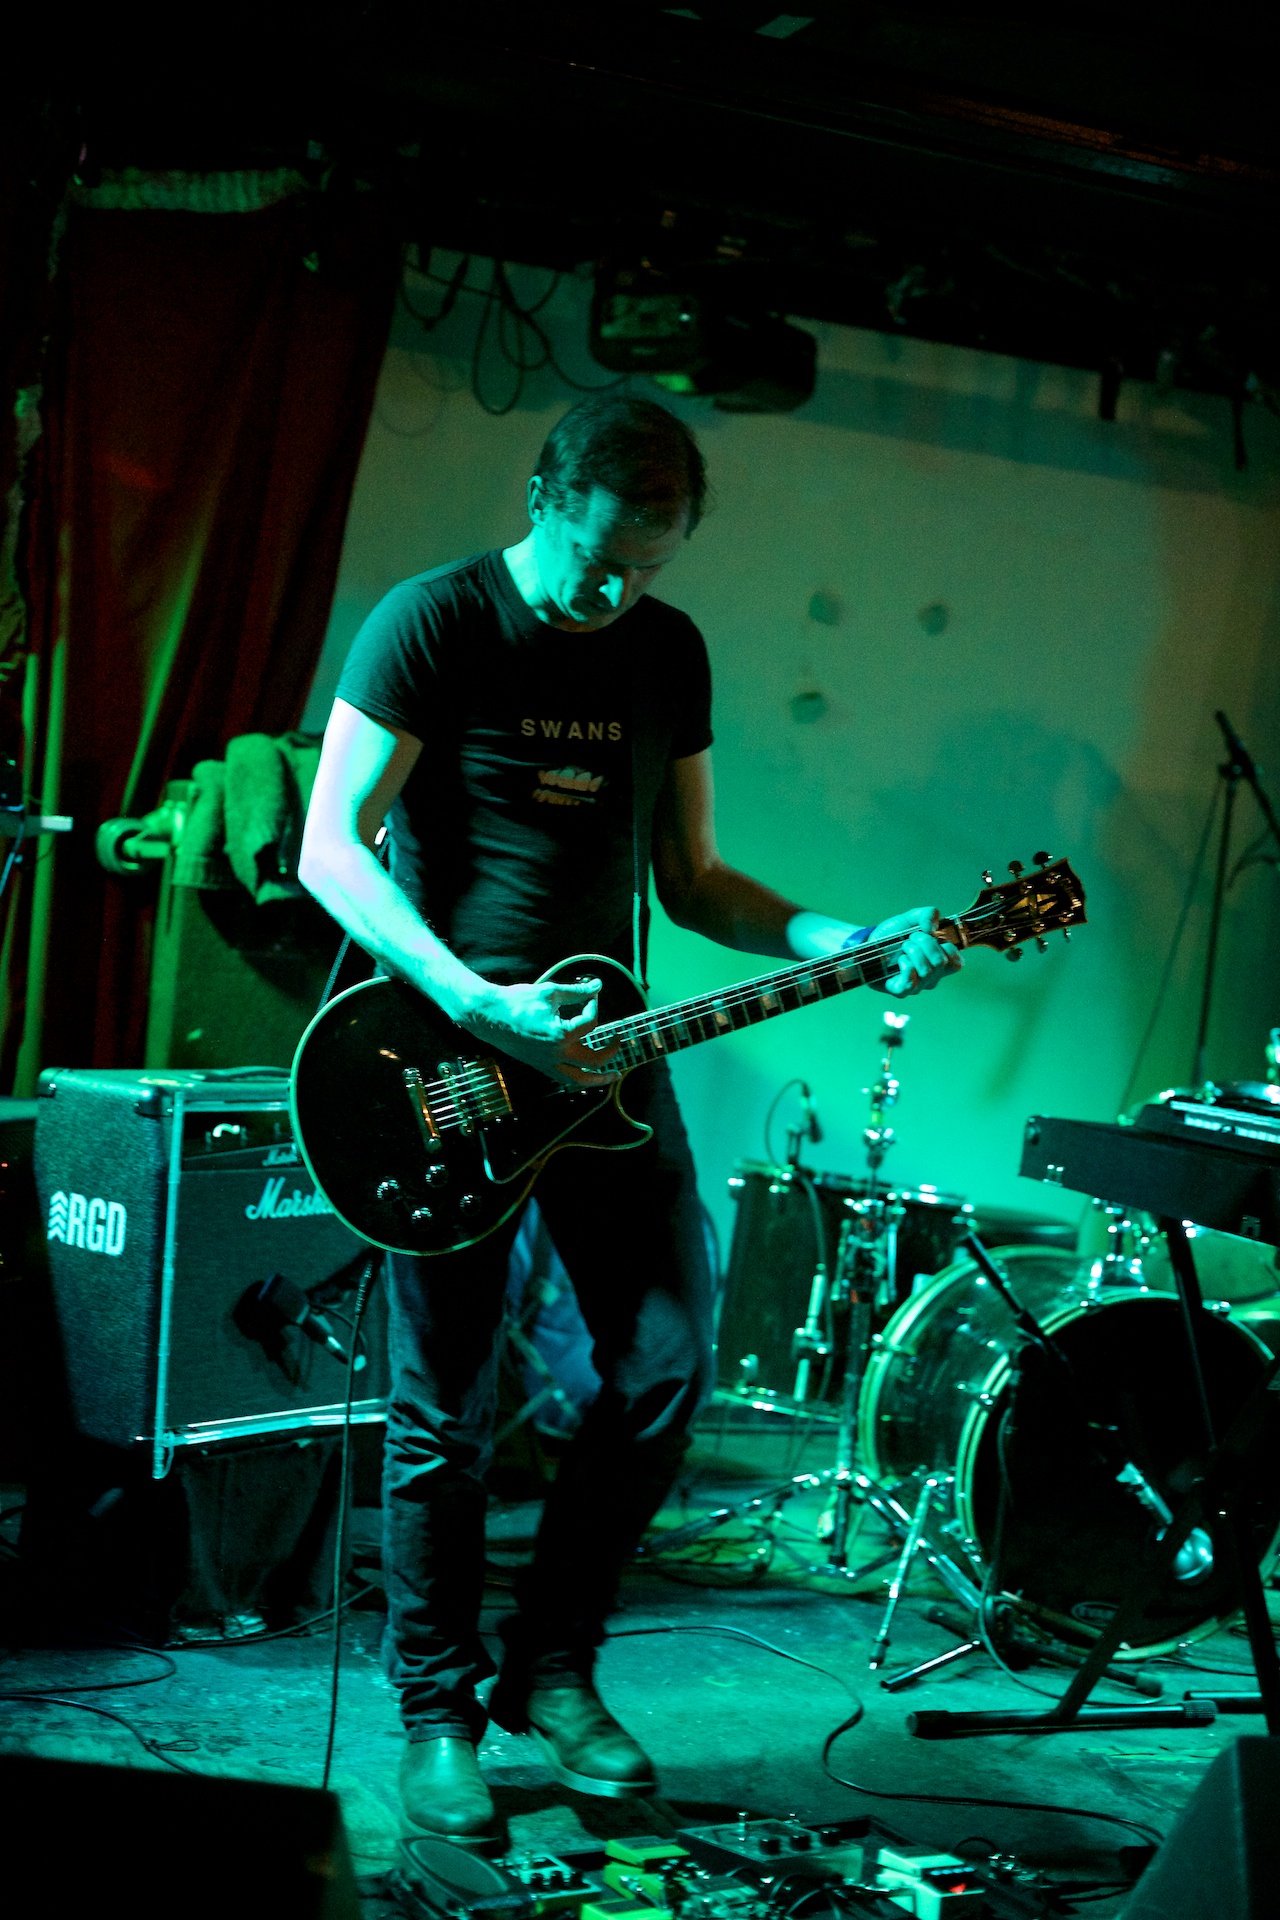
point(687, 1023)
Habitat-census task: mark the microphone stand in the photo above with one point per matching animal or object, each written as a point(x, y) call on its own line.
point(1239, 765)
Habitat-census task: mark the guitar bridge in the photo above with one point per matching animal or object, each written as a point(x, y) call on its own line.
point(417, 1092)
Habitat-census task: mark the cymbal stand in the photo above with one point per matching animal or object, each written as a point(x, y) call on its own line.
point(928, 1492)
point(865, 1276)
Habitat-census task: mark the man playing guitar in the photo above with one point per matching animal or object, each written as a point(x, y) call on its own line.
point(535, 729)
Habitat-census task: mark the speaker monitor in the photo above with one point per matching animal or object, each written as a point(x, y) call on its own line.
point(1221, 1859)
point(93, 1840)
point(169, 1200)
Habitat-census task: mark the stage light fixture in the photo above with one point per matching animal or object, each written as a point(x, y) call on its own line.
point(646, 319)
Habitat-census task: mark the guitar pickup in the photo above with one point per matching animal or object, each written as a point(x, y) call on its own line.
point(474, 1092)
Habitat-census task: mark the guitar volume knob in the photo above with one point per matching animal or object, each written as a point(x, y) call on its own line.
point(420, 1216)
point(388, 1190)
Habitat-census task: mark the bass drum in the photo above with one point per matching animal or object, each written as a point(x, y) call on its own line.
point(937, 1397)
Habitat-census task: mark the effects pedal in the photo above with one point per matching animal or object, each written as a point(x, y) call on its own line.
point(436, 1878)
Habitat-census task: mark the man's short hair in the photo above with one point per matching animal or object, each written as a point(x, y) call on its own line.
point(630, 447)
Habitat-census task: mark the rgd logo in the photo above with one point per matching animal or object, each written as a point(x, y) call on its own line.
point(96, 1225)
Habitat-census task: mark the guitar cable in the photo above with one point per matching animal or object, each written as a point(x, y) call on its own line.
point(367, 1278)
point(382, 848)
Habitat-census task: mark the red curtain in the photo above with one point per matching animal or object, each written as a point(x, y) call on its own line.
point(207, 394)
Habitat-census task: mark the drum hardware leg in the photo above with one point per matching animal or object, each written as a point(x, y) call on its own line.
point(909, 1546)
point(894, 1682)
point(1055, 1653)
point(1023, 1651)
point(890, 1509)
point(807, 1343)
point(847, 1437)
point(767, 1504)
point(939, 1725)
point(1230, 1702)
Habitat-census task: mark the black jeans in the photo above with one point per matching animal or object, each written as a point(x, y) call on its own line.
point(629, 1230)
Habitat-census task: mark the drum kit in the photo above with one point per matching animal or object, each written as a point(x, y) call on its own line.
point(867, 1310)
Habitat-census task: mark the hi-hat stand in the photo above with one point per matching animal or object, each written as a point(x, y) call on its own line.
point(866, 1271)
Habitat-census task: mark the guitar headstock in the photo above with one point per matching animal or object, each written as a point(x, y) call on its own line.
point(1008, 913)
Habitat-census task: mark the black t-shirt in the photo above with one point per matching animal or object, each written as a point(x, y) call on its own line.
point(513, 834)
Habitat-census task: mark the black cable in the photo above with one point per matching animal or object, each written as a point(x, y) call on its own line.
point(1151, 1834)
point(344, 1504)
point(500, 295)
point(276, 1633)
point(98, 1686)
point(1176, 942)
point(344, 948)
point(880, 1793)
point(774, 1104)
point(163, 1750)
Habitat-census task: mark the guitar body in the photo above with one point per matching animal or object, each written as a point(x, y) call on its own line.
point(420, 1139)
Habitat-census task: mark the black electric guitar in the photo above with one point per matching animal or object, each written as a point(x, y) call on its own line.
point(424, 1143)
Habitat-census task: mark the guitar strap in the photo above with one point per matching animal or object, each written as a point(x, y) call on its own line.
point(650, 741)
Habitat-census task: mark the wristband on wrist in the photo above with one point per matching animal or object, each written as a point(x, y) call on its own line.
point(856, 937)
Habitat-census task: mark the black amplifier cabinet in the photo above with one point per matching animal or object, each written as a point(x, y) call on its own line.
point(168, 1198)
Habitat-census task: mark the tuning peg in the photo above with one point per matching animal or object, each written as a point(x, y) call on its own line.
point(987, 879)
point(1042, 943)
point(1016, 869)
point(1042, 859)
point(1066, 933)
point(1013, 953)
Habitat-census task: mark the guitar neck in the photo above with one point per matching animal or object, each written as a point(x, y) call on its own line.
point(687, 1023)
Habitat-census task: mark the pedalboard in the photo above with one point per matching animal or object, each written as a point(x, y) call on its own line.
point(743, 1869)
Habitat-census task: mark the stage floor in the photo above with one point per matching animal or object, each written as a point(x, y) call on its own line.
point(732, 1725)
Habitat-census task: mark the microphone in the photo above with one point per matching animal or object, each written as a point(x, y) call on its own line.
point(812, 1124)
point(286, 1303)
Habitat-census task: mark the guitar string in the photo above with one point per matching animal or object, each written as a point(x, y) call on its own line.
point(764, 984)
point(661, 1018)
point(648, 1025)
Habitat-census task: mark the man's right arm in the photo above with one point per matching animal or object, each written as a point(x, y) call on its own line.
point(363, 766)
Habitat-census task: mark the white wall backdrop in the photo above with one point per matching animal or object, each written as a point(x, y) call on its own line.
point(1104, 587)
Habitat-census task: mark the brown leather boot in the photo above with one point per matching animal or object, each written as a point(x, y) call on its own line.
point(584, 1746)
point(443, 1789)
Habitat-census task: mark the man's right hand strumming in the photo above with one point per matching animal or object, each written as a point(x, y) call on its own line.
point(531, 1023)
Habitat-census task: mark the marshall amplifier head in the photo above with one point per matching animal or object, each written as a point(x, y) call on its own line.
point(203, 1287)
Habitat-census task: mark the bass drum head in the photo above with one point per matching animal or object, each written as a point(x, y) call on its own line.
point(937, 1392)
point(935, 1353)
point(1071, 1534)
